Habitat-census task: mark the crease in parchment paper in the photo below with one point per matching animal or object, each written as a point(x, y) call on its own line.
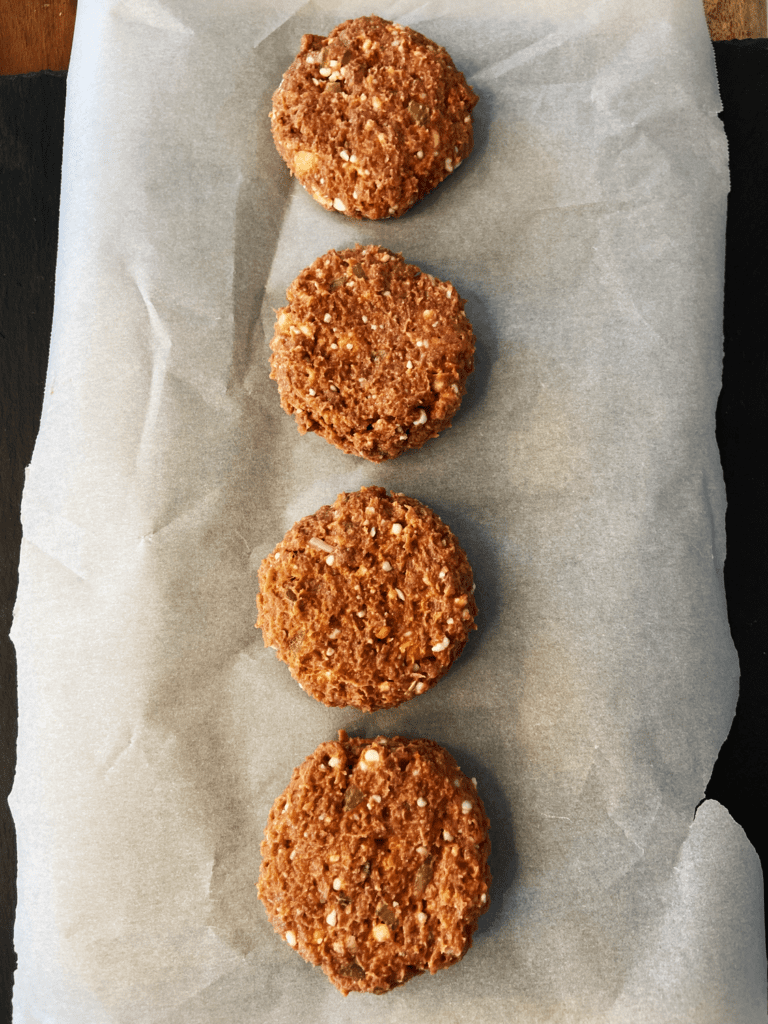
point(581, 476)
point(62, 540)
point(715, 944)
point(151, 13)
point(279, 15)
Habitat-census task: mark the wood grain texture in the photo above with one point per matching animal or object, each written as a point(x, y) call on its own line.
point(36, 35)
point(736, 19)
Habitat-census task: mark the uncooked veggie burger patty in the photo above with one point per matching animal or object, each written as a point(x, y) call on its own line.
point(371, 353)
point(372, 117)
point(368, 601)
point(374, 861)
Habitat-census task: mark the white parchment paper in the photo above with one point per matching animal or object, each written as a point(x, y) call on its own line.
point(581, 476)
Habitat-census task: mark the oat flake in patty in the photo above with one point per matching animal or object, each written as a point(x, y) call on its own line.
point(374, 861)
point(369, 601)
point(371, 353)
point(372, 117)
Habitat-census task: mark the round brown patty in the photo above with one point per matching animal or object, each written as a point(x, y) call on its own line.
point(372, 118)
point(374, 861)
point(368, 601)
point(371, 353)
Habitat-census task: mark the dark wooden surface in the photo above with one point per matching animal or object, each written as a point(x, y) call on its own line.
point(35, 35)
point(31, 130)
point(736, 19)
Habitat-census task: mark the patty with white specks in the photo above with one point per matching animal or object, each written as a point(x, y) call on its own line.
point(372, 117)
point(370, 353)
point(369, 601)
point(375, 861)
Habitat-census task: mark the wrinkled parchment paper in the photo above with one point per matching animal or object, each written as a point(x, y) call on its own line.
point(582, 477)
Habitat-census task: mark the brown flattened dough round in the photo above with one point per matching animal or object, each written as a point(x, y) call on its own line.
point(372, 117)
point(374, 861)
point(368, 601)
point(371, 353)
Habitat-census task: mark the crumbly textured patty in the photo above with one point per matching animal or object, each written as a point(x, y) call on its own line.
point(368, 601)
point(371, 353)
point(372, 117)
point(374, 861)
